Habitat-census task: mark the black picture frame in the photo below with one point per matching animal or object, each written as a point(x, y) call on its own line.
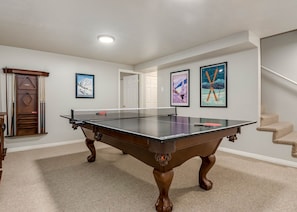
point(84, 85)
point(213, 85)
point(180, 88)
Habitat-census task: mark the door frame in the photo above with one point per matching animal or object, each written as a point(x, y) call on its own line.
point(140, 86)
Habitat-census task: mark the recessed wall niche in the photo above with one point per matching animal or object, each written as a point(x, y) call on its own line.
point(25, 102)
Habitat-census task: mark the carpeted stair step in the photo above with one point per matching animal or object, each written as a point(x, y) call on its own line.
point(290, 139)
point(269, 118)
point(282, 131)
point(279, 129)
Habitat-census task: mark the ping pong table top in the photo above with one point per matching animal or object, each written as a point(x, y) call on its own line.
point(162, 124)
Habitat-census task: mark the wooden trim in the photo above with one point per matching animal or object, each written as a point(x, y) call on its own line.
point(2, 149)
point(27, 72)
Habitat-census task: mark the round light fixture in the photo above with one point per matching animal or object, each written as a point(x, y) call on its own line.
point(105, 38)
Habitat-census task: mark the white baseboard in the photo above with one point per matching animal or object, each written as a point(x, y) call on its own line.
point(39, 146)
point(232, 151)
point(260, 157)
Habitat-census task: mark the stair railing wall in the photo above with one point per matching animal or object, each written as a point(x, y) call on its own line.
point(279, 75)
point(283, 130)
point(279, 95)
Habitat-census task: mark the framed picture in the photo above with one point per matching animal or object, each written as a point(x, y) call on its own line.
point(213, 85)
point(179, 86)
point(84, 86)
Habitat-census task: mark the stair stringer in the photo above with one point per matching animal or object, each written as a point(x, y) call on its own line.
point(283, 132)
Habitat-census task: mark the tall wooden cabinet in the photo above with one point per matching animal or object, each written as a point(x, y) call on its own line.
point(26, 105)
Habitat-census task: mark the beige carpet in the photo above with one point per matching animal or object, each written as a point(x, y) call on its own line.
point(60, 179)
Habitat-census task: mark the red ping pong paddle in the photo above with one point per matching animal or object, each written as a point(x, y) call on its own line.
point(101, 113)
point(209, 124)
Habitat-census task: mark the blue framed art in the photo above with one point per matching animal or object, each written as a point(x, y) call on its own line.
point(213, 85)
point(84, 86)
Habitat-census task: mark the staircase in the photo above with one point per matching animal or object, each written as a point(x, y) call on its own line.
point(283, 132)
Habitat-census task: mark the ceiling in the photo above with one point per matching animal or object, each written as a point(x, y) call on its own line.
point(144, 29)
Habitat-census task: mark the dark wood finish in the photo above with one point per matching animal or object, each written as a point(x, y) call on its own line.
point(26, 72)
point(2, 149)
point(26, 104)
point(163, 157)
point(25, 119)
point(91, 147)
point(163, 180)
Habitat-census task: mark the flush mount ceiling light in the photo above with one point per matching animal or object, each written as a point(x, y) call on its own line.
point(105, 39)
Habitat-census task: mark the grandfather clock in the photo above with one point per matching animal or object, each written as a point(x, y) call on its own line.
point(25, 100)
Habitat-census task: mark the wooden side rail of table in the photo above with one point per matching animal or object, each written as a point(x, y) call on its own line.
point(2, 149)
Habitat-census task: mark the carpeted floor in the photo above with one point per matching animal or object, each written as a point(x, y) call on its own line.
point(60, 179)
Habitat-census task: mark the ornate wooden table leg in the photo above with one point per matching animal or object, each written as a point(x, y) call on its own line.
point(90, 145)
point(163, 181)
point(207, 163)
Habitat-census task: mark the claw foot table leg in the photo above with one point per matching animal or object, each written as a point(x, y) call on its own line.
point(207, 163)
point(91, 147)
point(163, 181)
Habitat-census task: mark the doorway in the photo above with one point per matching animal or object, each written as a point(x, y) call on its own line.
point(129, 89)
point(138, 89)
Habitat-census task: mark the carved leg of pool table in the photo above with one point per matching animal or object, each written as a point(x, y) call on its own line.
point(207, 163)
point(163, 181)
point(90, 145)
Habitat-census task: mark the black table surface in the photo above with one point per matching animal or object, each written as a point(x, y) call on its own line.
point(162, 128)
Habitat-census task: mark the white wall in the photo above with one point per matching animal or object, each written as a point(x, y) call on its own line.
point(243, 101)
point(242, 79)
point(244, 90)
point(279, 53)
point(243, 93)
point(60, 89)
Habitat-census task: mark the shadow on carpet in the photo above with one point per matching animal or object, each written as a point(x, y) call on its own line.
point(117, 182)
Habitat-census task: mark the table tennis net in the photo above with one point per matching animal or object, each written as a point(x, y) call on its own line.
point(110, 114)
